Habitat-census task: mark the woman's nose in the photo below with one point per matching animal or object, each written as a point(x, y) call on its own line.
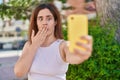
point(44, 22)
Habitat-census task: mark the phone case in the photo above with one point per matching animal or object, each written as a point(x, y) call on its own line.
point(77, 27)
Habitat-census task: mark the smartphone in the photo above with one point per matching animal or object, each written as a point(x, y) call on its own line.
point(77, 27)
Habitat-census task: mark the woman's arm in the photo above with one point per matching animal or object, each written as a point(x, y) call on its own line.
point(79, 56)
point(25, 61)
point(23, 64)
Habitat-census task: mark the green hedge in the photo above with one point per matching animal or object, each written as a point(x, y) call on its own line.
point(104, 64)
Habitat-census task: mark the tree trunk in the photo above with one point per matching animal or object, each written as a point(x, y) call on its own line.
point(109, 13)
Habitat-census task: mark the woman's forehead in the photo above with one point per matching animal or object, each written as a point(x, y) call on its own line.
point(45, 12)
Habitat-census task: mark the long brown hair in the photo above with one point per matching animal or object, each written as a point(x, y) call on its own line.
point(55, 13)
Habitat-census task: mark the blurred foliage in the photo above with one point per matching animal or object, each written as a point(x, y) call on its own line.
point(18, 9)
point(104, 64)
point(63, 1)
point(64, 30)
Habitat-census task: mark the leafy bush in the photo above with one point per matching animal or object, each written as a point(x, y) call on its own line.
point(104, 64)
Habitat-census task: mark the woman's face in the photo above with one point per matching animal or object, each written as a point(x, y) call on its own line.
point(46, 19)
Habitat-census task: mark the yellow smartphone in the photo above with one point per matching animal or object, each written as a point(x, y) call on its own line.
point(77, 27)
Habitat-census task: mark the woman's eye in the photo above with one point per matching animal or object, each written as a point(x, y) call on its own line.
point(49, 19)
point(40, 19)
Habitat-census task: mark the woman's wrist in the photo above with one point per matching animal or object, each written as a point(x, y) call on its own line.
point(33, 47)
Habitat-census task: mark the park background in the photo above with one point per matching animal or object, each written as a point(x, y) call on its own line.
point(104, 26)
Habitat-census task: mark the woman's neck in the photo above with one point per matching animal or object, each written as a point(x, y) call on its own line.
point(48, 41)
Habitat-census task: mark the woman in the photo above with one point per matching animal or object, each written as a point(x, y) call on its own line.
point(46, 55)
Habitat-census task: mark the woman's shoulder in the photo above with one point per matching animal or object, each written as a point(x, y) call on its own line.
point(64, 44)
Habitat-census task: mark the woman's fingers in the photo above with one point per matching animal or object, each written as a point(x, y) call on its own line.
point(33, 33)
point(41, 31)
point(85, 46)
point(44, 33)
point(88, 45)
point(40, 37)
point(83, 54)
point(87, 38)
point(86, 52)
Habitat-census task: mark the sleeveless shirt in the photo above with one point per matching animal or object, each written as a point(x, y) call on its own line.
point(48, 64)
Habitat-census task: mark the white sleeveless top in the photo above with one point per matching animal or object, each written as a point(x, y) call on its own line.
point(48, 64)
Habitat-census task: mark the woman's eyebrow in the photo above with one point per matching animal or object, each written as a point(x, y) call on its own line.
point(39, 16)
point(46, 16)
point(49, 16)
